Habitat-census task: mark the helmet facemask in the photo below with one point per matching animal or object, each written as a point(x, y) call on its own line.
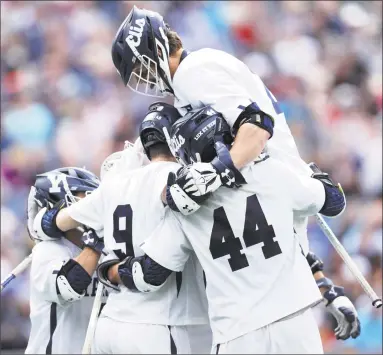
point(151, 76)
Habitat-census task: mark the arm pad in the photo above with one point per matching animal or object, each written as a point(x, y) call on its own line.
point(72, 281)
point(223, 164)
point(315, 263)
point(252, 114)
point(142, 274)
point(335, 201)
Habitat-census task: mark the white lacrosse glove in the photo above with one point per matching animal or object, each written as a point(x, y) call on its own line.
point(344, 312)
point(35, 203)
point(199, 179)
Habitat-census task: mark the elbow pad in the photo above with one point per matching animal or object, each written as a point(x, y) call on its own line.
point(72, 281)
point(142, 274)
point(335, 201)
point(253, 114)
point(315, 263)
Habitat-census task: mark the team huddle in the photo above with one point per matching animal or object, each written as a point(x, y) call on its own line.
point(197, 231)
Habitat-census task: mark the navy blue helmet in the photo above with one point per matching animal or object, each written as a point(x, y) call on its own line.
point(140, 53)
point(156, 126)
point(193, 137)
point(64, 183)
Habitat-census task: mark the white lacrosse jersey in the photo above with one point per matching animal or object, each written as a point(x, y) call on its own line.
point(213, 77)
point(58, 327)
point(128, 206)
point(255, 271)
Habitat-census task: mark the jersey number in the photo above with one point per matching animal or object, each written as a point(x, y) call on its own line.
point(256, 230)
point(122, 230)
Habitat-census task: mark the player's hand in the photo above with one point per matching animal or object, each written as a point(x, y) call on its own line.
point(198, 179)
point(94, 240)
point(177, 199)
point(35, 202)
point(44, 225)
point(344, 312)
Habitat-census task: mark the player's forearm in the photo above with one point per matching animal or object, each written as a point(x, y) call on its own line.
point(65, 222)
point(88, 259)
point(136, 273)
point(113, 275)
point(248, 144)
point(317, 276)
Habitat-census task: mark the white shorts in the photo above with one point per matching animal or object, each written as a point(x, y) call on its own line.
point(295, 335)
point(201, 338)
point(115, 337)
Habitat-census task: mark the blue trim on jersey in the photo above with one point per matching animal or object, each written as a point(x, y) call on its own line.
point(53, 325)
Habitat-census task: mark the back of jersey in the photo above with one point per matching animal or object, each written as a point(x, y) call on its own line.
point(255, 270)
point(132, 209)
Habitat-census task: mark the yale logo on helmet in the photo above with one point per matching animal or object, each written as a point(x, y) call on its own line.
point(55, 181)
point(135, 33)
point(177, 142)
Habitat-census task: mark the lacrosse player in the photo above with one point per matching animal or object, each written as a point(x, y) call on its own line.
point(151, 60)
point(259, 285)
point(128, 207)
point(63, 278)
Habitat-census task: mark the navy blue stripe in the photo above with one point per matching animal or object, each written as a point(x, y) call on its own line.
point(53, 325)
point(173, 348)
point(178, 282)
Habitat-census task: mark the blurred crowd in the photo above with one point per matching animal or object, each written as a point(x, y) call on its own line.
point(63, 104)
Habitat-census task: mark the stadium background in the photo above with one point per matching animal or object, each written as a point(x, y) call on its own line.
point(63, 104)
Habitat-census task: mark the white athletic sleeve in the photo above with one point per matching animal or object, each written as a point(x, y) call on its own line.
point(89, 210)
point(168, 245)
point(48, 258)
point(213, 84)
point(308, 194)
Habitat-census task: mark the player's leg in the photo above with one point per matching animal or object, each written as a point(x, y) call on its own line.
point(200, 338)
point(162, 339)
point(114, 337)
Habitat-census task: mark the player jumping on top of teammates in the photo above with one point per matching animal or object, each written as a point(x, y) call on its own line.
point(150, 59)
point(128, 207)
point(62, 271)
point(260, 298)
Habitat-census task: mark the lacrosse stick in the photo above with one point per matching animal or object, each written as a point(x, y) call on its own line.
point(93, 320)
point(17, 270)
point(376, 301)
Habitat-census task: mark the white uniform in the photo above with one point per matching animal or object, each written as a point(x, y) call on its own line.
point(255, 271)
point(212, 77)
point(58, 327)
point(128, 206)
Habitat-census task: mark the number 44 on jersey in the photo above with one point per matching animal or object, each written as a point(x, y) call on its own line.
point(224, 242)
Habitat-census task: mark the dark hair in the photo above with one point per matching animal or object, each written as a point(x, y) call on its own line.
point(175, 42)
point(159, 149)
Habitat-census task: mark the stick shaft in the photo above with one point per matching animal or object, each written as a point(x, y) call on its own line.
point(17, 270)
point(93, 320)
point(377, 302)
